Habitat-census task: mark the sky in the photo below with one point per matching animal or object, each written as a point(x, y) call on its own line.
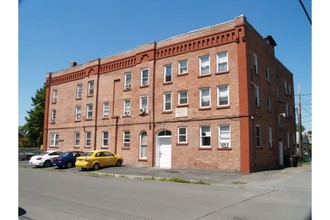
point(52, 33)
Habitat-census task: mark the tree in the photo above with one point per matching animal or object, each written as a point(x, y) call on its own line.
point(35, 119)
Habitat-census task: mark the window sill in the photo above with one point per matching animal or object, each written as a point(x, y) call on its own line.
point(127, 116)
point(204, 148)
point(88, 96)
point(182, 144)
point(125, 148)
point(223, 107)
point(182, 74)
point(89, 119)
point(224, 72)
point(183, 105)
point(206, 75)
point(144, 86)
point(128, 89)
point(224, 149)
point(77, 120)
point(78, 98)
point(143, 160)
point(204, 108)
point(167, 112)
point(167, 83)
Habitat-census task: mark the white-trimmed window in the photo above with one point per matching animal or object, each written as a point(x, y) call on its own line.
point(145, 77)
point(53, 116)
point(168, 73)
point(183, 97)
point(167, 101)
point(54, 96)
point(88, 138)
point(105, 109)
point(258, 136)
point(269, 103)
point(255, 64)
point(204, 65)
point(76, 138)
point(89, 112)
point(286, 87)
point(90, 88)
point(205, 137)
point(267, 74)
point(257, 95)
point(79, 91)
point(183, 67)
point(143, 104)
point(270, 137)
point(223, 95)
point(143, 146)
point(128, 80)
point(127, 107)
point(105, 138)
point(54, 139)
point(224, 136)
point(78, 112)
point(222, 62)
point(182, 135)
point(205, 97)
point(126, 138)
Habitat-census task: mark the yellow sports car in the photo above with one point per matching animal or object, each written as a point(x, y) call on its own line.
point(97, 159)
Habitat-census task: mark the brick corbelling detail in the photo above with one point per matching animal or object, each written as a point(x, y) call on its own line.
point(198, 44)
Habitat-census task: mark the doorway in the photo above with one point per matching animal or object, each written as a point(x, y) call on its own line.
point(164, 149)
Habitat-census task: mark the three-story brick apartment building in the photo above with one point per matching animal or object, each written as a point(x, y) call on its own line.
point(214, 98)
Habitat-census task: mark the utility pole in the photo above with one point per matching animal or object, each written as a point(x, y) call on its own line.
point(300, 127)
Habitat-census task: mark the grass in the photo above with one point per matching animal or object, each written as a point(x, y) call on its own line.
point(173, 179)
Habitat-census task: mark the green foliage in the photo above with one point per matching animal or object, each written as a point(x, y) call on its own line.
point(35, 119)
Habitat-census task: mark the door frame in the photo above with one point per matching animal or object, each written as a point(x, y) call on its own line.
point(157, 145)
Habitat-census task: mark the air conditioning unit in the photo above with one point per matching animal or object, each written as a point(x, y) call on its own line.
point(53, 120)
point(127, 114)
point(225, 145)
point(128, 86)
point(145, 83)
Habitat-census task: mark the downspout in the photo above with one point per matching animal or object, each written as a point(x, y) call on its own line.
point(113, 113)
point(153, 104)
point(96, 101)
point(46, 113)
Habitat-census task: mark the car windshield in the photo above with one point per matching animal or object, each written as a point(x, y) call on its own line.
point(42, 153)
point(87, 154)
point(65, 154)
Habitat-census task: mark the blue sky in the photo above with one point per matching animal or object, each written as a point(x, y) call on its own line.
point(52, 33)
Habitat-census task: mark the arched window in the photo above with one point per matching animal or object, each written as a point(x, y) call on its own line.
point(164, 133)
point(143, 146)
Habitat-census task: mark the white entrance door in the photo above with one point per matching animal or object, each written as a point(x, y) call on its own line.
point(280, 152)
point(165, 152)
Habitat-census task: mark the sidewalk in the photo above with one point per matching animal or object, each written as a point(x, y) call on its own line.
point(205, 176)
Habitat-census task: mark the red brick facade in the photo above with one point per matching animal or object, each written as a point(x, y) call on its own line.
point(185, 102)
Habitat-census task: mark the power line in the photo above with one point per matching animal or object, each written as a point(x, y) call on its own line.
point(302, 5)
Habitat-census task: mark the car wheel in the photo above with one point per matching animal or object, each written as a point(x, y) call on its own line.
point(69, 165)
point(119, 162)
point(96, 166)
point(47, 163)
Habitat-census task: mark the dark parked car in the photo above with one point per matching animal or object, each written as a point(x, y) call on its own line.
point(24, 154)
point(67, 159)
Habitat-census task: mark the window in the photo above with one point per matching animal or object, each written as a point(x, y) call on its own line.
point(269, 103)
point(258, 136)
point(145, 77)
point(54, 139)
point(205, 136)
point(105, 109)
point(270, 137)
point(288, 139)
point(205, 97)
point(89, 111)
point(78, 112)
point(105, 138)
point(79, 90)
point(54, 96)
point(167, 104)
point(286, 87)
point(204, 65)
point(182, 135)
point(127, 107)
point(183, 97)
point(257, 96)
point(127, 138)
point(143, 146)
point(53, 116)
point(143, 104)
point(128, 80)
point(222, 62)
point(224, 136)
point(88, 138)
point(90, 91)
point(183, 67)
point(168, 73)
point(223, 95)
point(77, 138)
point(268, 74)
point(255, 64)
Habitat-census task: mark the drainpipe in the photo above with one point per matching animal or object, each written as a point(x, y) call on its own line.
point(113, 113)
point(46, 114)
point(96, 102)
point(153, 104)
